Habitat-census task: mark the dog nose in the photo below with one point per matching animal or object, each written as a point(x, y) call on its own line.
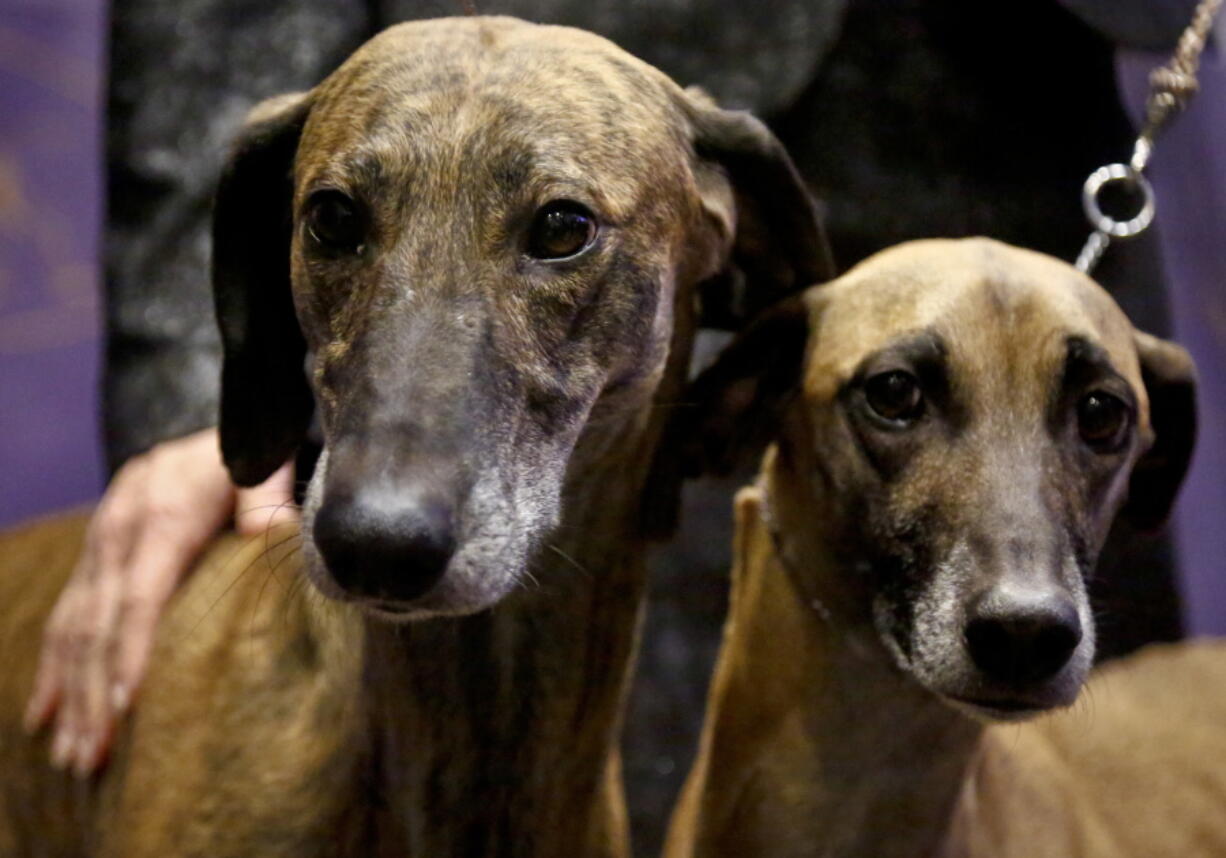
point(392, 548)
point(1021, 640)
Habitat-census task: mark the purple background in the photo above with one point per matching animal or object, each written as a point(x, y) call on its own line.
point(1189, 176)
point(50, 207)
point(51, 62)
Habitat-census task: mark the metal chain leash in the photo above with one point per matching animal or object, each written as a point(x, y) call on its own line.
point(1171, 87)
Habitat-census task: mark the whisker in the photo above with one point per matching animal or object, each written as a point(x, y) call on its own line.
point(528, 574)
point(299, 588)
point(572, 561)
point(263, 553)
point(272, 573)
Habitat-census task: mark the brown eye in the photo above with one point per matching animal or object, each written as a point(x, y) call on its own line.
point(336, 222)
point(1102, 420)
point(561, 229)
point(895, 396)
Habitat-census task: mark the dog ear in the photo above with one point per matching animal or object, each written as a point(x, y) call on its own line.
point(769, 219)
point(731, 411)
point(266, 403)
point(734, 408)
point(1170, 382)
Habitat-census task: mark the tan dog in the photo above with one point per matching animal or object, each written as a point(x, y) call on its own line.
point(957, 423)
point(485, 238)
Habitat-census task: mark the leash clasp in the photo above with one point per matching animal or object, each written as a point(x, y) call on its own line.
point(1171, 87)
point(1105, 226)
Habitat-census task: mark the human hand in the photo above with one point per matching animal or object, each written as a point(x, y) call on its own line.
point(158, 513)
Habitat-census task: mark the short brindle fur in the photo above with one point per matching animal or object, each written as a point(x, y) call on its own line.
point(489, 413)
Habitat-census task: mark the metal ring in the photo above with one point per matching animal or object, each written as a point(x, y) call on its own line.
point(1102, 177)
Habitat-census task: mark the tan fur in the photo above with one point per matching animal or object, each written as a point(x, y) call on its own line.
point(252, 677)
point(817, 744)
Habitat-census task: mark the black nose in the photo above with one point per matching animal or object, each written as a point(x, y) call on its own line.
point(1020, 640)
point(388, 547)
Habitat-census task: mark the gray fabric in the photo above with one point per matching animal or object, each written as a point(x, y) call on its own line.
point(183, 75)
point(756, 55)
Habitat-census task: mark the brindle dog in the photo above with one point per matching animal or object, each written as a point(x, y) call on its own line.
point(485, 239)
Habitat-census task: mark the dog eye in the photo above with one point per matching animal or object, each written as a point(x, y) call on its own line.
point(561, 229)
point(895, 396)
point(336, 222)
point(1102, 420)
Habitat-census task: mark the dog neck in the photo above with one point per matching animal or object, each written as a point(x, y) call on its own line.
point(870, 763)
point(496, 734)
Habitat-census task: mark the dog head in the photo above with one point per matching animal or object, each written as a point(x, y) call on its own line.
point(957, 424)
point(481, 237)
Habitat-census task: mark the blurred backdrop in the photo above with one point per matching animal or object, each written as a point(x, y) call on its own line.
point(52, 62)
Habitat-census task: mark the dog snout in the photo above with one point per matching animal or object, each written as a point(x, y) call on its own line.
point(386, 549)
point(1022, 638)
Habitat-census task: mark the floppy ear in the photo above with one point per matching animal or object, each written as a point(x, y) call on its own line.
point(1170, 382)
point(266, 403)
point(769, 218)
point(731, 411)
point(734, 408)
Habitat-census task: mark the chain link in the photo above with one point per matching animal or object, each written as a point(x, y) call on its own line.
point(1171, 87)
